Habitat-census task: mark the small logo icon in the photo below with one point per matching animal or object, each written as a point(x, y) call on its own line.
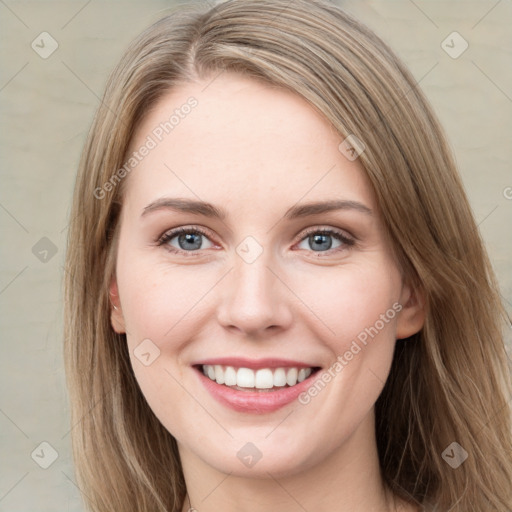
point(146, 352)
point(44, 455)
point(44, 250)
point(454, 45)
point(454, 455)
point(249, 455)
point(249, 249)
point(351, 147)
point(44, 45)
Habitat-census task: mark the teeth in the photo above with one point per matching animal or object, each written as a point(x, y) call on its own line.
point(291, 376)
point(264, 378)
point(230, 376)
point(279, 377)
point(245, 378)
point(219, 374)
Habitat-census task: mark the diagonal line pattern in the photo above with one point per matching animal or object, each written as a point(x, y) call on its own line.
point(217, 15)
point(411, 497)
point(13, 77)
point(286, 491)
point(424, 13)
point(82, 492)
point(13, 13)
point(488, 215)
point(70, 219)
point(506, 300)
point(14, 485)
point(76, 14)
point(14, 218)
point(485, 15)
point(86, 414)
point(280, 423)
point(198, 301)
point(507, 405)
point(199, 403)
point(415, 86)
point(127, 332)
point(212, 80)
point(376, 376)
point(12, 280)
point(215, 488)
point(14, 423)
point(492, 81)
point(182, 181)
point(326, 326)
point(100, 99)
point(200, 199)
point(304, 195)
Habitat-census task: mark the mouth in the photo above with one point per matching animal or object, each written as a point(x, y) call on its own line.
point(256, 380)
point(257, 390)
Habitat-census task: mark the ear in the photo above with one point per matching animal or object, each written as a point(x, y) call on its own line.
point(116, 314)
point(411, 318)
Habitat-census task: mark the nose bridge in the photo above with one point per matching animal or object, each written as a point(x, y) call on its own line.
point(254, 298)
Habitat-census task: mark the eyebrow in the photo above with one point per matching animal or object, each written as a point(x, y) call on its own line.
point(297, 211)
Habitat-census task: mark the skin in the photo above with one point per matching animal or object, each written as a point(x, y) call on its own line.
point(256, 151)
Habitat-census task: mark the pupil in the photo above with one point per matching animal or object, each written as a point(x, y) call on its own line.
point(193, 241)
point(189, 241)
point(321, 239)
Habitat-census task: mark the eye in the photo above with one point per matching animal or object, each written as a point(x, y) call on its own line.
point(321, 240)
point(189, 241)
point(185, 240)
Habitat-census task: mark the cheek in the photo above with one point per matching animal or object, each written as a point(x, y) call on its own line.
point(356, 305)
point(349, 300)
point(158, 307)
point(158, 299)
point(160, 302)
point(358, 325)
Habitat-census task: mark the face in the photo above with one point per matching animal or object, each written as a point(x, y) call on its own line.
point(251, 249)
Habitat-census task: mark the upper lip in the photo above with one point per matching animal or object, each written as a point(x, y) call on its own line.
point(255, 364)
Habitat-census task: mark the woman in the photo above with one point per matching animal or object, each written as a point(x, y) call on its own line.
point(276, 294)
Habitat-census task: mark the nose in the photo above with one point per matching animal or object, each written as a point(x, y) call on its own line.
point(254, 299)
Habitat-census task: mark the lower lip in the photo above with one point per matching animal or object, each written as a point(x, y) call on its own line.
point(254, 401)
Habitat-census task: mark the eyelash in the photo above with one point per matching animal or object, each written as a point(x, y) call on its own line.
point(169, 235)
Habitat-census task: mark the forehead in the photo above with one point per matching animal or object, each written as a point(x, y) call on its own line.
point(241, 140)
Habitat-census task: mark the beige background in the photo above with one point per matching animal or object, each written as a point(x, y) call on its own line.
point(47, 106)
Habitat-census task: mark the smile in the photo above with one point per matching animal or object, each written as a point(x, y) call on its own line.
point(264, 378)
point(254, 386)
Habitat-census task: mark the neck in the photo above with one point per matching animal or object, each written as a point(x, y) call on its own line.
point(348, 480)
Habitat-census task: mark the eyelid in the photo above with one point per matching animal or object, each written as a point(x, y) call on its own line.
point(179, 229)
point(169, 234)
point(325, 229)
point(347, 239)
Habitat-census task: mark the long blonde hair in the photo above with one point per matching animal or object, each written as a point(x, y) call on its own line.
point(449, 383)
